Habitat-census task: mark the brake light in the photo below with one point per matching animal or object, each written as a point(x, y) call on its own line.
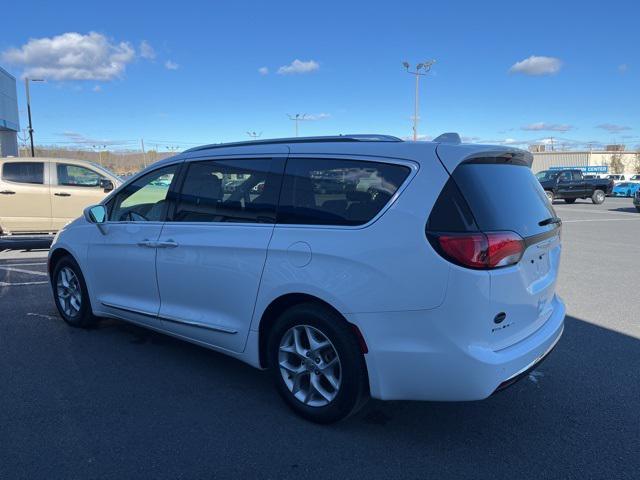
point(481, 250)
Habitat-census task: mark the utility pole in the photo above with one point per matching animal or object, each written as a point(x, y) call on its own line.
point(26, 84)
point(254, 135)
point(144, 155)
point(551, 139)
point(421, 70)
point(297, 118)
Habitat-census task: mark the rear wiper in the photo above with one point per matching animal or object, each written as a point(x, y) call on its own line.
point(549, 221)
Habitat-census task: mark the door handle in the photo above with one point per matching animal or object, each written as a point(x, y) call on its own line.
point(147, 243)
point(152, 244)
point(167, 244)
point(62, 194)
point(7, 192)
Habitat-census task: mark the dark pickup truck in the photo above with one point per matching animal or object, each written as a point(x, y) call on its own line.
point(570, 185)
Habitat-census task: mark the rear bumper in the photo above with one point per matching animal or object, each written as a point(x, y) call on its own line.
point(410, 358)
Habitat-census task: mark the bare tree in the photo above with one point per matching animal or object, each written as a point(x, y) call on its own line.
point(616, 164)
point(636, 162)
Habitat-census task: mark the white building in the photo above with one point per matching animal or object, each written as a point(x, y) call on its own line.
point(9, 123)
point(547, 160)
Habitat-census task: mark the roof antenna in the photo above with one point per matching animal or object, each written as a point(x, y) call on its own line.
point(449, 137)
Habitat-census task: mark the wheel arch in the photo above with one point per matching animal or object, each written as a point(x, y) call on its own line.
point(284, 302)
point(55, 256)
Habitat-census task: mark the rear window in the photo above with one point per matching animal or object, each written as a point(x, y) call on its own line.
point(504, 197)
point(23, 172)
point(337, 192)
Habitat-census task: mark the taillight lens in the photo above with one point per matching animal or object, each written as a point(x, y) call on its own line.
point(480, 250)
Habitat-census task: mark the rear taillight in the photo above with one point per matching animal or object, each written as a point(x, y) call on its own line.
point(480, 250)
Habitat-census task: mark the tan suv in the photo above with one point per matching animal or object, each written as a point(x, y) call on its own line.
point(41, 195)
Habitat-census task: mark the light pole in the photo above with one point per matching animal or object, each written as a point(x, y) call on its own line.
point(421, 70)
point(254, 135)
point(297, 118)
point(26, 84)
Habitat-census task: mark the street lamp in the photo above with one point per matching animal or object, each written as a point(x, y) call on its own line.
point(421, 70)
point(254, 135)
point(26, 84)
point(297, 118)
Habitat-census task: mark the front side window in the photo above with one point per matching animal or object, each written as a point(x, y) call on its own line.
point(337, 192)
point(77, 176)
point(241, 190)
point(565, 177)
point(146, 199)
point(23, 172)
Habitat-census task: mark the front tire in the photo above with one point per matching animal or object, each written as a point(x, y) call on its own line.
point(316, 363)
point(70, 294)
point(598, 197)
point(570, 200)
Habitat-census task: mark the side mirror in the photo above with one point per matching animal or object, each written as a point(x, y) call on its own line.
point(106, 184)
point(96, 214)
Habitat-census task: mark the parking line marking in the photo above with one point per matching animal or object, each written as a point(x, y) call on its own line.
point(19, 270)
point(602, 220)
point(17, 284)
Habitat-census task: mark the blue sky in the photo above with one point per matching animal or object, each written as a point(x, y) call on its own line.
point(196, 78)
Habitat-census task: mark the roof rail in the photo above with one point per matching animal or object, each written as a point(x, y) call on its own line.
point(276, 141)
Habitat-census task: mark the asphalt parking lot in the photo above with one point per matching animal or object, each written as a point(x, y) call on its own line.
point(122, 402)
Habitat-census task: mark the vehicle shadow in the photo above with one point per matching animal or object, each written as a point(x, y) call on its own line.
point(631, 209)
point(577, 413)
point(131, 399)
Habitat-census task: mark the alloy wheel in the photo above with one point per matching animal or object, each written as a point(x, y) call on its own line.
point(310, 365)
point(69, 292)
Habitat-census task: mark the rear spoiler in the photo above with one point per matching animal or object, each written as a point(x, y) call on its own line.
point(452, 155)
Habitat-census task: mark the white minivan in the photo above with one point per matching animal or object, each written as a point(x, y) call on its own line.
point(348, 266)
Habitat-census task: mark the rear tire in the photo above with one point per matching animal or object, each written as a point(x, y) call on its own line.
point(549, 195)
point(70, 294)
point(570, 200)
point(312, 346)
point(637, 208)
point(598, 197)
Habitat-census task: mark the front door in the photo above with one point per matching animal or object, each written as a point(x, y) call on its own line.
point(25, 203)
point(123, 260)
point(566, 185)
point(216, 245)
point(73, 188)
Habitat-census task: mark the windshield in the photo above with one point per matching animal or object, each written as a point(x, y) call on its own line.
point(546, 175)
point(622, 185)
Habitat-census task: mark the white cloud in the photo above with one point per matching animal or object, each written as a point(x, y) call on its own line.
point(298, 66)
point(81, 139)
point(317, 116)
point(537, 66)
point(169, 65)
point(72, 56)
point(263, 71)
point(547, 127)
point(147, 51)
point(623, 68)
point(97, 88)
point(612, 127)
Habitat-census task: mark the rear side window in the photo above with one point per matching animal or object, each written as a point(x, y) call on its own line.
point(23, 172)
point(504, 197)
point(77, 176)
point(337, 192)
point(240, 190)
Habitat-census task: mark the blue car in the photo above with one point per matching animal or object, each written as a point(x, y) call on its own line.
point(625, 189)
